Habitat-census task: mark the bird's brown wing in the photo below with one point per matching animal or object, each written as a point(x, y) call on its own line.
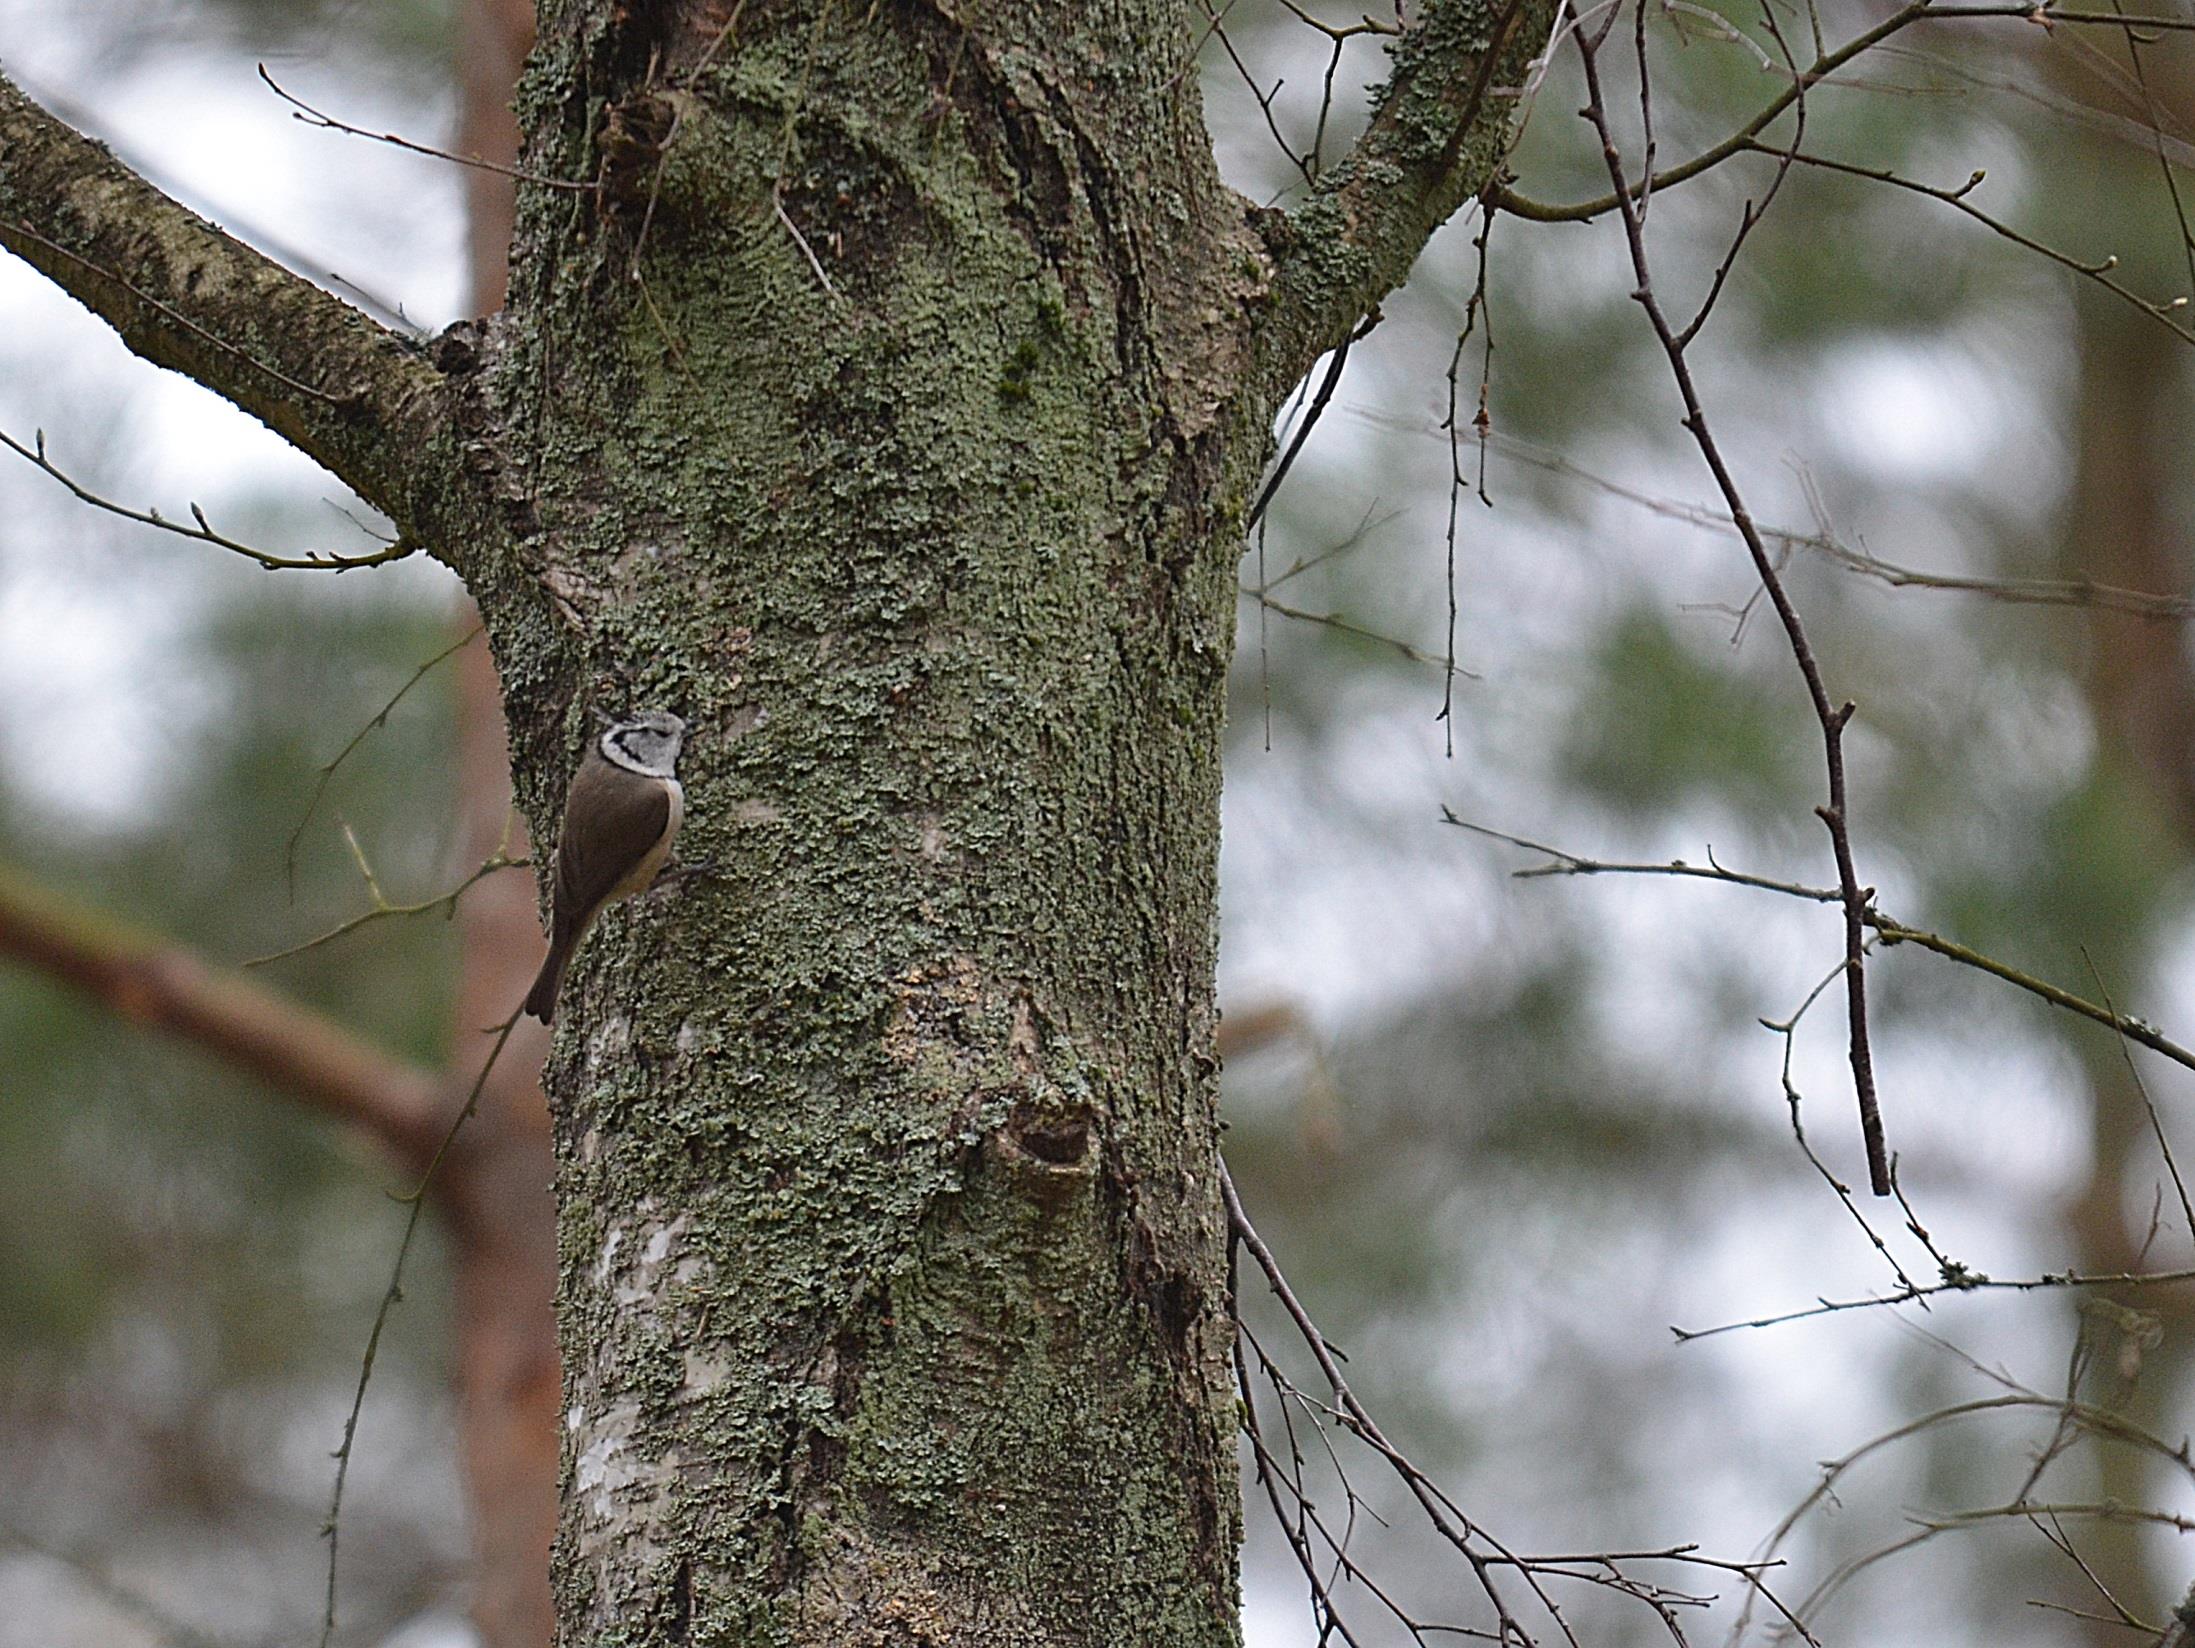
point(628, 815)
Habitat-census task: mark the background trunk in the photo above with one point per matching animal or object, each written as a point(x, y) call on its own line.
point(2126, 527)
point(503, 1216)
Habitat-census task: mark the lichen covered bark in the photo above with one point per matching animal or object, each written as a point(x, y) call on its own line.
point(875, 418)
point(879, 388)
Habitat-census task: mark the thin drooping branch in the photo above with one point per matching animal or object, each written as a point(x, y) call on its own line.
point(331, 1527)
point(1797, 84)
point(2166, 314)
point(201, 530)
point(351, 394)
point(289, 1046)
point(303, 111)
point(2075, 1418)
point(1965, 1281)
point(1441, 126)
point(2045, 592)
point(329, 769)
point(1280, 1464)
point(382, 907)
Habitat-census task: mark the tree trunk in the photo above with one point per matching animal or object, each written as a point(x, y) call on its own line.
point(891, 1245)
point(2126, 529)
point(880, 390)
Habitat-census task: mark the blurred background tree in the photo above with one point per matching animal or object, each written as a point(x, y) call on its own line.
point(1504, 1134)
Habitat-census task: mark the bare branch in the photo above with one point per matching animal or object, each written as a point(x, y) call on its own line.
point(354, 396)
point(2166, 314)
point(1890, 932)
point(1346, 626)
point(1825, 65)
point(150, 981)
point(329, 769)
point(1836, 814)
point(1822, 68)
point(301, 110)
point(1279, 1470)
point(384, 907)
point(203, 531)
point(1966, 1281)
point(2149, 1105)
point(2045, 592)
point(331, 1527)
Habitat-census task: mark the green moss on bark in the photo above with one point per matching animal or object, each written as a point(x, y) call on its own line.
point(888, 411)
point(891, 1255)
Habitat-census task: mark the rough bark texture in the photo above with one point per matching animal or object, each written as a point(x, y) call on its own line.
point(892, 1288)
point(889, 415)
point(886, 406)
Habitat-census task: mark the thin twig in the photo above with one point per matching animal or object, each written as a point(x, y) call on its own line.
point(1299, 1525)
point(2052, 592)
point(1890, 931)
point(304, 111)
point(1788, 1029)
point(203, 532)
point(1821, 69)
point(1971, 1281)
point(1349, 626)
point(2156, 1125)
point(380, 718)
point(330, 1529)
point(2164, 314)
point(777, 205)
point(1438, 1509)
point(382, 908)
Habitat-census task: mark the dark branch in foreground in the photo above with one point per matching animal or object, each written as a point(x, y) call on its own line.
point(1822, 69)
point(1966, 1281)
point(1832, 717)
point(1324, 1554)
point(1637, 189)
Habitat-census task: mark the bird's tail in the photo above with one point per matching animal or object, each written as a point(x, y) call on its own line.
point(541, 999)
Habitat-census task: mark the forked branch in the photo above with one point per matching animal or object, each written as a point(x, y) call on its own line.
point(1440, 129)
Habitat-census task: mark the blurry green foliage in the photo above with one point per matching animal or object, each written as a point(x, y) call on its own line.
point(1656, 726)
